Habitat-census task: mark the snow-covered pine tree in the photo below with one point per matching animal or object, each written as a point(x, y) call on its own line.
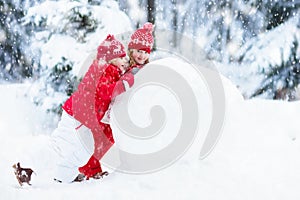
point(16, 64)
point(65, 24)
point(281, 81)
point(276, 12)
point(62, 81)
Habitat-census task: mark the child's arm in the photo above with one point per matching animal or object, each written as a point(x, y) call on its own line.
point(125, 82)
point(108, 88)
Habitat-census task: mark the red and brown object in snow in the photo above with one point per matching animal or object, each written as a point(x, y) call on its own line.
point(23, 175)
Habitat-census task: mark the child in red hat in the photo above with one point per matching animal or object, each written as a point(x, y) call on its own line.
point(139, 49)
point(140, 46)
point(104, 80)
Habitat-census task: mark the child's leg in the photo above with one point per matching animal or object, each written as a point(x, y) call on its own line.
point(103, 140)
point(69, 148)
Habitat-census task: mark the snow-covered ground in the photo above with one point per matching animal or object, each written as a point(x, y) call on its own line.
point(257, 156)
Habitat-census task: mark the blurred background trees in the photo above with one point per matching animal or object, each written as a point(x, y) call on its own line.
point(16, 62)
point(232, 33)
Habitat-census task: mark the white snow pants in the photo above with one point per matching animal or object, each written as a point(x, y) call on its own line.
point(73, 144)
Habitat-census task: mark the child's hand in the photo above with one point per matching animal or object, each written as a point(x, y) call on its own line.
point(128, 78)
point(125, 82)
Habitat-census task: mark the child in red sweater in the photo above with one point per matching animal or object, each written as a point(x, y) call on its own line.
point(86, 107)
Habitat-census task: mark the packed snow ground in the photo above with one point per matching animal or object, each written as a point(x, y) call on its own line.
point(257, 156)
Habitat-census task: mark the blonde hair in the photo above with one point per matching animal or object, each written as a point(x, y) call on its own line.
point(131, 59)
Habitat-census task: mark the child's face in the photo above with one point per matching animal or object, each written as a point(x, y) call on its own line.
point(121, 63)
point(140, 56)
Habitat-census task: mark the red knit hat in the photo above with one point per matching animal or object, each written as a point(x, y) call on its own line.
point(110, 48)
point(142, 39)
